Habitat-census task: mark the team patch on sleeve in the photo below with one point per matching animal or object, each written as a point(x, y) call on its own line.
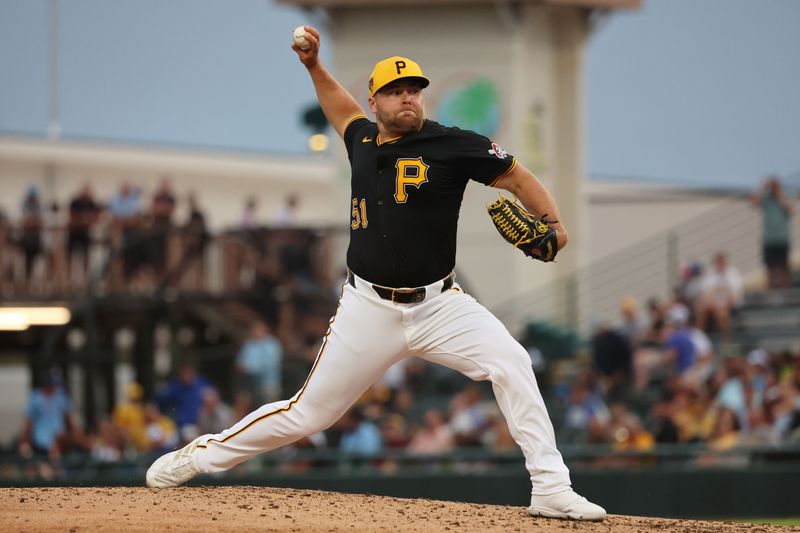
point(498, 151)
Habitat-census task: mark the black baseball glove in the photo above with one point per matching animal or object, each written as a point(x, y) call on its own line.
point(534, 237)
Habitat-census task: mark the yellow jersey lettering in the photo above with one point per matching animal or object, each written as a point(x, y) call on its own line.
point(409, 172)
point(358, 214)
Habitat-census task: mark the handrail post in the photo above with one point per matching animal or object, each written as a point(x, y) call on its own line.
point(571, 305)
point(672, 261)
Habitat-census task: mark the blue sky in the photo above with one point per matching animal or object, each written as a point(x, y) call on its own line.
point(696, 90)
point(703, 91)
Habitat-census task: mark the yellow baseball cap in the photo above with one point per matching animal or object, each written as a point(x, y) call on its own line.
point(395, 68)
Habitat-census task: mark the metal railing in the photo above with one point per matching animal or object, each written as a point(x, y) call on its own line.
point(645, 270)
point(116, 260)
point(291, 462)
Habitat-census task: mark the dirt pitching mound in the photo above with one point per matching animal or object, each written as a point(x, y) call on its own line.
point(268, 509)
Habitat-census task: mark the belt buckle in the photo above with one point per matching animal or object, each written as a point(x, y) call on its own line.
point(419, 294)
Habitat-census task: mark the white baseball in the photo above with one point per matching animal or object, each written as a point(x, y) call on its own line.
point(299, 38)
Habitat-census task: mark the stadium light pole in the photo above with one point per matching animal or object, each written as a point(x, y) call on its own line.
point(53, 107)
point(53, 112)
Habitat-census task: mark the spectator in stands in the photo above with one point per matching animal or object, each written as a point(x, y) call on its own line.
point(721, 293)
point(761, 374)
point(5, 238)
point(626, 432)
point(703, 365)
point(690, 413)
point(108, 444)
point(469, 419)
point(433, 437)
point(612, 355)
point(249, 218)
point(286, 217)
point(761, 419)
point(633, 325)
point(725, 437)
point(127, 227)
point(182, 399)
point(242, 404)
point(394, 431)
point(162, 210)
point(502, 440)
point(681, 351)
point(162, 433)
point(726, 433)
point(650, 358)
point(403, 402)
point(54, 245)
point(129, 417)
point(664, 428)
point(259, 360)
point(31, 223)
point(677, 307)
point(776, 212)
point(586, 415)
point(691, 280)
point(735, 394)
point(785, 408)
point(360, 435)
point(49, 428)
point(84, 213)
point(215, 415)
point(196, 237)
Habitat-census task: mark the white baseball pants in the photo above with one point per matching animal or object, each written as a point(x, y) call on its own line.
point(366, 336)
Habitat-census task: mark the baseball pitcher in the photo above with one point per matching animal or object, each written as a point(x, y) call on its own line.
point(401, 298)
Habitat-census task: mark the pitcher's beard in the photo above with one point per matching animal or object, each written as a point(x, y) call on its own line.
point(405, 123)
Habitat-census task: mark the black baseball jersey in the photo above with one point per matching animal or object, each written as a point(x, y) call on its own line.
point(406, 197)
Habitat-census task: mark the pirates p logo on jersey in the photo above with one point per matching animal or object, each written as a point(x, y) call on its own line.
point(499, 152)
point(410, 172)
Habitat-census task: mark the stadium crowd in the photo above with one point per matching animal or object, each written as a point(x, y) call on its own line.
point(654, 377)
point(129, 242)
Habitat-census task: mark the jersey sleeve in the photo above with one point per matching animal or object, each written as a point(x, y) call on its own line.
point(351, 131)
point(478, 158)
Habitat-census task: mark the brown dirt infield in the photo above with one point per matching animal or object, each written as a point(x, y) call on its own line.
point(268, 509)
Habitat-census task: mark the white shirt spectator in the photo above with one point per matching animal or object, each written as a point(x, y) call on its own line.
point(723, 285)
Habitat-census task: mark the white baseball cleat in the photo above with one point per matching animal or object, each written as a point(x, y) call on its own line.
point(565, 504)
point(174, 468)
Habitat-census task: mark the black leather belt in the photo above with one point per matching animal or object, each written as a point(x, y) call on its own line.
point(403, 296)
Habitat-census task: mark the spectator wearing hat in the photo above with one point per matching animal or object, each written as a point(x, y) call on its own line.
point(182, 399)
point(633, 325)
point(680, 348)
point(129, 417)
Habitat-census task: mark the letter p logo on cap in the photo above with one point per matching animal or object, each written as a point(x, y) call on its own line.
point(395, 68)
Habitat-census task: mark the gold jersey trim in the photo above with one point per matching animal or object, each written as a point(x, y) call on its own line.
point(347, 124)
point(387, 141)
point(508, 171)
